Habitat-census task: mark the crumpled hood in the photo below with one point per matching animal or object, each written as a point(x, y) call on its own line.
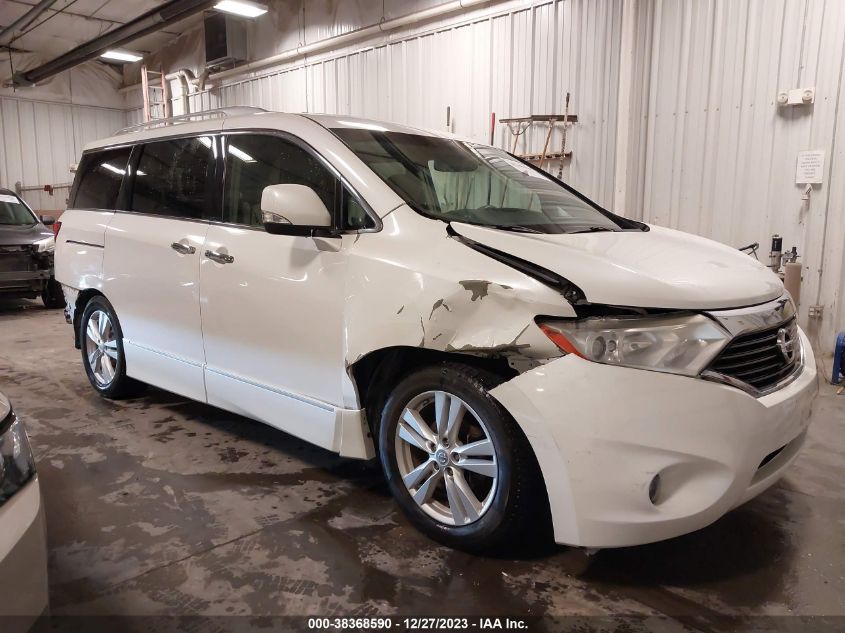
point(660, 268)
point(13, 235)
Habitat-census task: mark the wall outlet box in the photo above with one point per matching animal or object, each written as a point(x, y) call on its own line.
point(815, 312)
point(796, 96)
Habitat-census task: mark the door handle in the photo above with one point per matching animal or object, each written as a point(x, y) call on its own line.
point(220, 258)
point(183, 249)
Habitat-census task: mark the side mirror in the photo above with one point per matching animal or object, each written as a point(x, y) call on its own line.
point(47, 220)
point(295, 210)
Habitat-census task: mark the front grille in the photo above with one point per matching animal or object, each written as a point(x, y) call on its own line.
point(16, 259)
point(757, 359)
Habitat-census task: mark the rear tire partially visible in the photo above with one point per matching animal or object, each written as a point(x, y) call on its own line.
point(102, 351)
point(52, 295)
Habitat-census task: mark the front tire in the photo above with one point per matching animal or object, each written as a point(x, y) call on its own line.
point(52, 295)
point(457, 463)
point(102, 350)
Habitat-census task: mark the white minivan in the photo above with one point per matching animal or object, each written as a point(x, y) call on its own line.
point(515, 355)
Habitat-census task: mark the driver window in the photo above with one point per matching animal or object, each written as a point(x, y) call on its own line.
point(255, 161)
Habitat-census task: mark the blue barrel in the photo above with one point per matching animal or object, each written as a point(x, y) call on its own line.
point(839, 359)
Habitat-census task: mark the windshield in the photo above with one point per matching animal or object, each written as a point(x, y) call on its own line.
point(13, 211)
point(462, 182)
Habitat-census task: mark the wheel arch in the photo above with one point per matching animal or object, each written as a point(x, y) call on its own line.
point(82, 300)
point(375, 374)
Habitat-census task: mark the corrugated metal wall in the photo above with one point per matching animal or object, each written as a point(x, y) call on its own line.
point(515, 60)
point(710, 150)
point(40, 140)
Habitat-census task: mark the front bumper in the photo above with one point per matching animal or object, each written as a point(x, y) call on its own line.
point(601, 433)
point(23, 558)
point(24, 282)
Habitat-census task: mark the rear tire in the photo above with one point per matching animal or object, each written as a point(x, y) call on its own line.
point(102, 351)
point(52, 294)
point(458, 464)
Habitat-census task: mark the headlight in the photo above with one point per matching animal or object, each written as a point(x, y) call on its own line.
point(45, 245)
point(16, 464)
point(675, 344)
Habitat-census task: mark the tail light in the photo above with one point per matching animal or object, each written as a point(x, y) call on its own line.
point(57, 226)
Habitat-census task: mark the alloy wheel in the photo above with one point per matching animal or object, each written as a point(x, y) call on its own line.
point(101, 348)
point(446, 458)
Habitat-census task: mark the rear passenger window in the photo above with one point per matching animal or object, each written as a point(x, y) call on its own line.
point(257, 161)
point(98, 178)
point(173, 178)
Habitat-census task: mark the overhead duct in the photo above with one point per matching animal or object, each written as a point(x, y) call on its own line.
point(352, 36)
point(333, 42)
point(190, 84)
point(149, 22)
point(26, 19)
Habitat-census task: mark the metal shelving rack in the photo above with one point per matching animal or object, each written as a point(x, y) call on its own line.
point(519, 125)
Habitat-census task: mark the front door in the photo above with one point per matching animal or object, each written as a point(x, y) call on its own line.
point(272, 305)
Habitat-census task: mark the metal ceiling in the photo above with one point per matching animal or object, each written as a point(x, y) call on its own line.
point(153, 20)
point(67, 24)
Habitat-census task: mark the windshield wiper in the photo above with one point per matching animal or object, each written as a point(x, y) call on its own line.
point(518, 228)
point(592, 229)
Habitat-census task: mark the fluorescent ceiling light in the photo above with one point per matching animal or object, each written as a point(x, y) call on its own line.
point(113, 169)
point(239, 153)
point(361, 125)
point(121, 56)
point(241, 7)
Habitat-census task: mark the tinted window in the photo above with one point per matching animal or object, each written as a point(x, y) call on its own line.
point(172, 178)
point(354, 215)
point(98, 178)
point(256, 161)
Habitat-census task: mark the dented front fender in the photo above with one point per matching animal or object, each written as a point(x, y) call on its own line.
point(424, 289)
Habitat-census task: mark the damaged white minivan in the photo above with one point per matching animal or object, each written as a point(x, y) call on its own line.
point(515, 355)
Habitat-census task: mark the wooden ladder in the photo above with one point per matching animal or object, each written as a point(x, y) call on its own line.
point(156, 94)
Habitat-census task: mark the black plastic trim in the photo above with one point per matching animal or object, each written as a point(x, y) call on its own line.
point(84, 243)
point(572, 293)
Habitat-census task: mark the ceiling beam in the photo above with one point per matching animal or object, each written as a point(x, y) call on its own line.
point(26, 19)
point(83, 16)
point(149, 22)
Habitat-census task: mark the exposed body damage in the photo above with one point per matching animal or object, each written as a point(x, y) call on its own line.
point(449, 310)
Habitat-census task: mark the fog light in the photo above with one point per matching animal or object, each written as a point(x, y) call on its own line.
point(654, 489)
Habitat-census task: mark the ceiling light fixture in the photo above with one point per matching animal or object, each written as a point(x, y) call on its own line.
point(121, 56)
point(239, 153)
point(243, 8)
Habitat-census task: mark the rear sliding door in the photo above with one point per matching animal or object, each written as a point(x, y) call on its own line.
point(151, 266)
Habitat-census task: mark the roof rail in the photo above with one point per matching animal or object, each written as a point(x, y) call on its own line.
point(218, 113)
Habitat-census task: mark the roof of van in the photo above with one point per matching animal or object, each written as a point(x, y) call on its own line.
point(332, 121)
point(260, 119)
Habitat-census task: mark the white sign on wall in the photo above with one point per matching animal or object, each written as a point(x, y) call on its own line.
point(810, 167)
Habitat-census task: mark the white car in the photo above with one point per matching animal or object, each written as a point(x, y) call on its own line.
point(510, 350)
point(23, 535)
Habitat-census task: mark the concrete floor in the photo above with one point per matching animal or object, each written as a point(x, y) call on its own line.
point(160, 505)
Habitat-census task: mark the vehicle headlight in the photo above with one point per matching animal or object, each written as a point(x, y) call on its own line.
point(676, 344)
point(46, 245)
point(16, 464)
